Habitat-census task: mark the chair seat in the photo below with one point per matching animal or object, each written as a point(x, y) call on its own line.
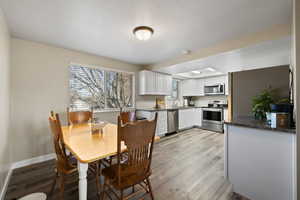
point(127, 180)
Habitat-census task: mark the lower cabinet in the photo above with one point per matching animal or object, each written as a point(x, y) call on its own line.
point(162, 120)
point(189, 118)
point(162, 123)
point(198, 117)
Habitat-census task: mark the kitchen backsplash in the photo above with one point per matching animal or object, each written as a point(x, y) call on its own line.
point(203, 101)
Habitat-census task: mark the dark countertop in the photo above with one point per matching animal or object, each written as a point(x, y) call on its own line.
point(173, 108)
point(252, 123)
point(167, 108)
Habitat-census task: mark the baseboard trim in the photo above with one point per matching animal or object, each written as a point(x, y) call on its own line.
point(4, 188)
point(23, 163)
point(31, 161)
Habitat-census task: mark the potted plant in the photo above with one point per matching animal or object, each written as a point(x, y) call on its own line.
point(261, 104)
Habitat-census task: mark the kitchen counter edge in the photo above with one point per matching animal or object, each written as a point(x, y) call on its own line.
point(252, 123)
point(166, 109)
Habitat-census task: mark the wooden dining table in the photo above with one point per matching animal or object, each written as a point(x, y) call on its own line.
point(88, 147)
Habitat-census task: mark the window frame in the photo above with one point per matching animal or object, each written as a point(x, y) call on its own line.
point(170, 97)
point(104, 69)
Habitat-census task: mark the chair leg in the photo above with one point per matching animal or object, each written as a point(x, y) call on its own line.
point(133, 190)
point(62, 186)
point(150, 188)
point(122, 195)
point(98, 167)
point(53, 184)
point(103, 190)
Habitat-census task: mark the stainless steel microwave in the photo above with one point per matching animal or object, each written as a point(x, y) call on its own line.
point(218, 89)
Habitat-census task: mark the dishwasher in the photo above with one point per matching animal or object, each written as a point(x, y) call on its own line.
point(172, 121)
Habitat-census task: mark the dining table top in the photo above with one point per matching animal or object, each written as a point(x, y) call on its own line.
point(88, 147)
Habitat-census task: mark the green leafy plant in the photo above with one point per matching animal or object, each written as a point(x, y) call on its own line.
point(284, 101)
point(261, 103)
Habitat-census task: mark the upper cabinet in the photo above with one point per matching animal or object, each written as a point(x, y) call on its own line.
point(154, 83)
point(195, 87)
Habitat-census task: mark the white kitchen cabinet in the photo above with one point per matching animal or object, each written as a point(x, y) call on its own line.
point(188, 118)
point(214, 80)
point(162, 120)
point(195, 87)
point(162, 123)
point(198, 117)
point(199, 87)
point(153, 83)
point(183, 116)
point(189, 87)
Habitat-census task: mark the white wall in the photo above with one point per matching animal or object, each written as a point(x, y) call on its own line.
point(247, 84)
point(4, 100)
point(39, 83)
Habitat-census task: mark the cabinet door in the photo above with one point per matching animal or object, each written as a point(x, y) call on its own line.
point(153, 82)
point(148, 82)
point(188, 87)
point(168, 85)
point(181, 119)
point(161, 126)
point(198, 117)
point(191, 115)
point(184, 86)
point(142, 82)
point(185, 118)
point(199, 87)
point(215, 80)
point(158, 83)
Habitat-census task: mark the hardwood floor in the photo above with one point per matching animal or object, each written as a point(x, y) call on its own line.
point(186, 166)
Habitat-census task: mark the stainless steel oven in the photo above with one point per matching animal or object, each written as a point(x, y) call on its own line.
point(212, 119)
point(218, 89)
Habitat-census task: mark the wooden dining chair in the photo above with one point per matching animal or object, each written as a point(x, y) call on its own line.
point(139, 139)
point(63, 165)
point(79, 117)
point(128, 116)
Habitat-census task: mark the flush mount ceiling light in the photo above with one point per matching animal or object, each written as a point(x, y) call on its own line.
point(143, 32)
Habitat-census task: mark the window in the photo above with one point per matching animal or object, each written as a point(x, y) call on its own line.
point(99, 88)
point(174, 94)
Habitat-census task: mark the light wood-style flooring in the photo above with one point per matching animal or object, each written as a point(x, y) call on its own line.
point(186, 166)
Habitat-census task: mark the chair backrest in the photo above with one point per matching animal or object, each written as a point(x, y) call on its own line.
point(62, 160)
point(138, 137)
point(79, 117)
point(127, 117)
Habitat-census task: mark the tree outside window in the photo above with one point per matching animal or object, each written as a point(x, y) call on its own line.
point(100, 89)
